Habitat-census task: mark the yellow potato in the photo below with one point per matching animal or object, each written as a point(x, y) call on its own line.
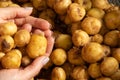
point(37, 46)
point(22, 38)
point(6, 43)
point(8, 28)
point(58, 73)
point(12, 59)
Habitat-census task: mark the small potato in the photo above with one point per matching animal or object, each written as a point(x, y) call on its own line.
point(8, 28)
point(63, 41)
point(39, 4)
point(12, 59)
point(109, 66)
point(112, 19)
point(102, 4)
point(79, 73)
point(60, 6)
point(6, 43)
point(91, 25)
point(111, 38)
point(75, 26)
point(116, 54)
point(87, 4)
point(94, 70)
point(116, 75)
point(92, 52)
point(25, 61)
point(58, 73)
point(68, 69)
point(97, 38)
point(22, 38)
point(107, 50)
point(37, 46)
point(1, 55)
point(80, 38)
point(76, 12)
point(58, 56)
point(103, 78)
point(96, 12)
point(13, 5)
point(5, 3)
point(51, 3)
point(74, 56)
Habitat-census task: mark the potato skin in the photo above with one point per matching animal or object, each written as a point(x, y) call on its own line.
point(37, 46)
point(92, 52)
point(8, 28)
point(6, 43)
point(12, 59)
point(21, 38)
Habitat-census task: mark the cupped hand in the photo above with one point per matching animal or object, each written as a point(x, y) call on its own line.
point(22, 18)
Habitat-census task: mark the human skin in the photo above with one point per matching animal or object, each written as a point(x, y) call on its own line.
point(22, 18)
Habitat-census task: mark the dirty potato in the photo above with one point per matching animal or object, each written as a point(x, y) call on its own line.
point(6, 43)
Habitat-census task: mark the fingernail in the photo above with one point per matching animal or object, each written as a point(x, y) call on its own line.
point(45, 60)
point(28, 8)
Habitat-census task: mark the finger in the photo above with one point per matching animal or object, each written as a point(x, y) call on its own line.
point(50, 45)
point(33, 69)
point(38, 31)
point(35, 22)
point(28, 27)
point(14, 12)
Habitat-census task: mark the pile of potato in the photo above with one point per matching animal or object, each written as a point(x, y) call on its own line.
point(87, 44)
point(18, 47)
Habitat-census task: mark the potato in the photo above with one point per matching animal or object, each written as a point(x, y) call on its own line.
point(68, 69)
point(79, 73)
point(116, 75)
point(1, 55)
point(25, 61)
point(5, 3)
point(76, 12)
point(80, 38)
point(58, 73)
point(109, 66)
point(112, 19)
point(63, 41)
point(6, 43)
point(92, 52)
point(94, 70)
point(87, 4)
point(104, 78)
point(39, 4)
point(107, 50)
point(96, 12)
point(12, 59)
point(91, 25)
point(111, 38)
point(13, 5)
point(51, 3)
point(102, 4)
point(116, 54)
point(60, 6)
point(58, 56)
point(74, 56)
point(37, 46)
point(97, 38)
point(22, 38)
point(8, 28)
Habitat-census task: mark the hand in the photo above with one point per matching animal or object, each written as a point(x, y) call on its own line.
point(21, 16)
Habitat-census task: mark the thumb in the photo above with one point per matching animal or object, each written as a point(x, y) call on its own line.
point(33, 69)
point(14, 12)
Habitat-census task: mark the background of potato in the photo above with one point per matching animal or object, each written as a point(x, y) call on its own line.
point(65, 21)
